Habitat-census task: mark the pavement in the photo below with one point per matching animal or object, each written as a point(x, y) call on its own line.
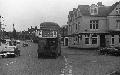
point(88, 62)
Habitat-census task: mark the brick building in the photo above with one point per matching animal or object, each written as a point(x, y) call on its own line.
point(94, 26)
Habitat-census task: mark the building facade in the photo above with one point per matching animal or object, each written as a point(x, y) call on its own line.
point(64, 35)
point(94, 26)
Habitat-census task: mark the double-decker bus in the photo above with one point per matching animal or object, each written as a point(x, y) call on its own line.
point(48, 39)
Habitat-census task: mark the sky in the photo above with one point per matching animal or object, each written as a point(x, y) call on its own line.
point(26, 13)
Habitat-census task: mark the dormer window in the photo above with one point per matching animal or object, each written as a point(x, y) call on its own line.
point(93, 9)
point(117, 11)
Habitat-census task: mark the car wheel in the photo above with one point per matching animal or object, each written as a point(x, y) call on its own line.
point(3, 56)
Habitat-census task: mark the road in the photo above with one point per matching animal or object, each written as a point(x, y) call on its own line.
point(29, 64)
point(72, 62)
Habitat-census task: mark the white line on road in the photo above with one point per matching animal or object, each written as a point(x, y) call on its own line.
point(12, 62)
point(67, 70)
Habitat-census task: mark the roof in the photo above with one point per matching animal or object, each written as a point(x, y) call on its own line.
point(84, 9)
point(49, 25)
point(102, 11)
point(64, 26)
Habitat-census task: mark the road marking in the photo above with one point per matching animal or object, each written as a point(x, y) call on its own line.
point(11, 62)
point(67, 70)
point(65, 59)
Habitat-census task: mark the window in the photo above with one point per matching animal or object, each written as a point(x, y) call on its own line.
point(76, 27)
point(90, 26)
point(94, 39)
point(94, 24)
point(78, 39)
point(112, 39)
point(118, 24)
point(75, 13)
point(117, 11)
point(87, 40)
point(93, 10)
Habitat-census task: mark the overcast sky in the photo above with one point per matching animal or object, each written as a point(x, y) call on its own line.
point(27, 13)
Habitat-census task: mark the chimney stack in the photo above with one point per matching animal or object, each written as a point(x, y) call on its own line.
point(100, 4)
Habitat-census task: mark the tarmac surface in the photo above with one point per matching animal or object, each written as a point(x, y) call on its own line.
point(71, 62)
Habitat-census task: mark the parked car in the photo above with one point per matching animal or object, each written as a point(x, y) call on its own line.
point(25, 44)
point(10, 49)
point(109, 51)
point(18, 41)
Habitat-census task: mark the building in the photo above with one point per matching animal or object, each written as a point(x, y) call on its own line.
point(64, 35)
point(28, 34)
point(94, 26)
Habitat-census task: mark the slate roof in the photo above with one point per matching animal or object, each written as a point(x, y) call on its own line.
point(102, 11)
point(84, 9)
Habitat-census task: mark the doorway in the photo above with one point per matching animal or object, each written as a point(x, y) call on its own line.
point(66, 42)
point(102, 41)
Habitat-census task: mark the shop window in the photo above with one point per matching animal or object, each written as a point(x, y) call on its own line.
point(112, 39)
